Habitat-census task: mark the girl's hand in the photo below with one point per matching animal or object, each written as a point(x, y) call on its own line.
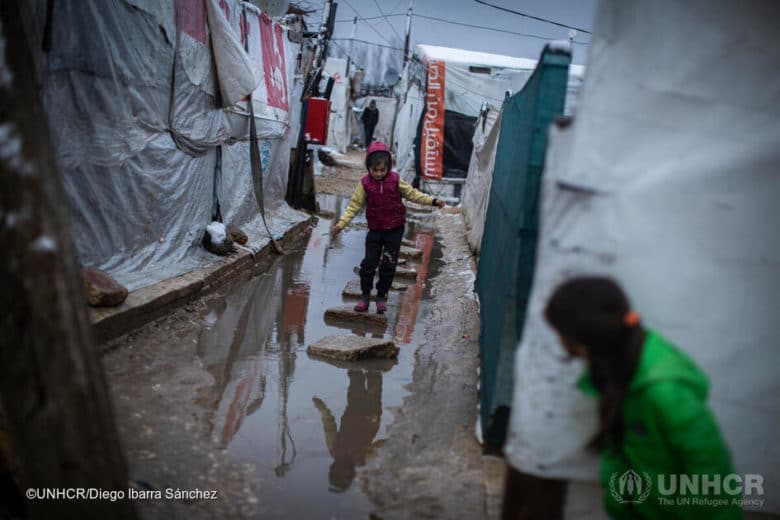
point(335, 230)
point(439, 203)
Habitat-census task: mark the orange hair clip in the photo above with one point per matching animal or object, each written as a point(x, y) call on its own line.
point(632, 318)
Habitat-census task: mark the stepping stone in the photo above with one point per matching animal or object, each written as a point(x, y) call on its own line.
point(420, 208)
point(411, 253)
point(346, 314)
point(408, 243)
point(352, 348)
point(400, 272)
point(352, 290)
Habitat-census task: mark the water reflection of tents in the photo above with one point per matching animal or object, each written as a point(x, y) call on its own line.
point(231, 350)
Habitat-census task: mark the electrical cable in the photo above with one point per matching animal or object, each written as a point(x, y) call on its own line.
point(532, 17)
point(372, 27)
point(386, 20)
point(494, 29)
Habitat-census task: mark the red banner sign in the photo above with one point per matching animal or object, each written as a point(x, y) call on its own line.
point(432, 149)
point(274, 66)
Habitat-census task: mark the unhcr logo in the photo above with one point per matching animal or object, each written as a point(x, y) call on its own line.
point(630, 488)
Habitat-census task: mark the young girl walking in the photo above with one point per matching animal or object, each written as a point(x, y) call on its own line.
point(654, 420)
point(381, 192)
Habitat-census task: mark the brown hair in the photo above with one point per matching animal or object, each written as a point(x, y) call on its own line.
point(378, 159)
point(590, 311)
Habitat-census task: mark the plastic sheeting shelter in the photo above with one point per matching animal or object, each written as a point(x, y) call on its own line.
point(457, 83)
point(339, 125)
point(133, 100)
point(506, 264)
point(668, 182)
point(475, 199)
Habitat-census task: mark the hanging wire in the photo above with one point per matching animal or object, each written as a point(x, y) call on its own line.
point(532, 17)
point(386, 20)
point(372, 27)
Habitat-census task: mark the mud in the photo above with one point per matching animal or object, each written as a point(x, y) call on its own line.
point(221, 395)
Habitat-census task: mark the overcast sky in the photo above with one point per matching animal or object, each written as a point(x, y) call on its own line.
point(577, 13)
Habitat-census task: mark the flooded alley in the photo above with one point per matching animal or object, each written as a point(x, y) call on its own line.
point(222, 394)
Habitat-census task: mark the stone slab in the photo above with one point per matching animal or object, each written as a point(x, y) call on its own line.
point(418, 208)
point(346, 314)
point(411, 253)
point(400, 272)
point(350, 347)
point(352, 289)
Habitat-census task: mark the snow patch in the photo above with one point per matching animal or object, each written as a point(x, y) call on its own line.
point(44, 244)
point(217, 232)
point(11, 149)
point(563, 46)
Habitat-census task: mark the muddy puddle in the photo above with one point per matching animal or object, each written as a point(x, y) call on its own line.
point(308, 425)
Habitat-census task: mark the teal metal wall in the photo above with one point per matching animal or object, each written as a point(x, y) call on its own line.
point(508, 251)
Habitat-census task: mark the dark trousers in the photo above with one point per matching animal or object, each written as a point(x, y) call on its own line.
point(382, 247)
point(369, 130)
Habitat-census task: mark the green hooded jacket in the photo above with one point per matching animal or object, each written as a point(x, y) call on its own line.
point(668, 431)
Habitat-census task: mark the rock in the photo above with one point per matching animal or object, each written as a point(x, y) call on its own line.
point(101, 289)
point(400, 272)
point(352, 290)
point(352, 348)
point(326, 213)
point(349, 315)
point(411, 253)
point(326, 158)
point(236, 235)
point(408, 243)
point(217, 240)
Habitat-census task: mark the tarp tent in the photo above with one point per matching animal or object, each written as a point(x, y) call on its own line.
point(668, 182)
point(456, 85)
point(458, 81)
point(137, 143)
point(474, 203)
point(340, 118)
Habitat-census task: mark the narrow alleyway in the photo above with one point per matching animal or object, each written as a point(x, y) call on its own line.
point(221, 395)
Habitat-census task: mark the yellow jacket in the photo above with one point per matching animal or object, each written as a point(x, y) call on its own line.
point(358, 200)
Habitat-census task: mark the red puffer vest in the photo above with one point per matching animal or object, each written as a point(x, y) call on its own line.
point(384, 209)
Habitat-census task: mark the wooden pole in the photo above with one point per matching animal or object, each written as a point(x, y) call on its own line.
point(52, 386)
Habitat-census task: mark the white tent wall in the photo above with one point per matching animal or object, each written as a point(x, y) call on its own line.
point(406, 121)
point(139, 203)
point(384, 127)
point(668, 182)
point(476, 193)
point(338, 130)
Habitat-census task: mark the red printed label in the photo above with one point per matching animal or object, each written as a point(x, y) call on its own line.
point(274, 66)
point(432, 149)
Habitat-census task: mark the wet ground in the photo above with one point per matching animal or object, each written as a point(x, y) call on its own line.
point(222, 396)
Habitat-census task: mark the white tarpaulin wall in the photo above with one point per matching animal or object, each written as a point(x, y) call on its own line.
point(338, 127)
point(476, 193)
point(668, 181)
point(384, 127)
point(411, 102)
point(470, 79)
point(139, 204)
point(465, 89)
